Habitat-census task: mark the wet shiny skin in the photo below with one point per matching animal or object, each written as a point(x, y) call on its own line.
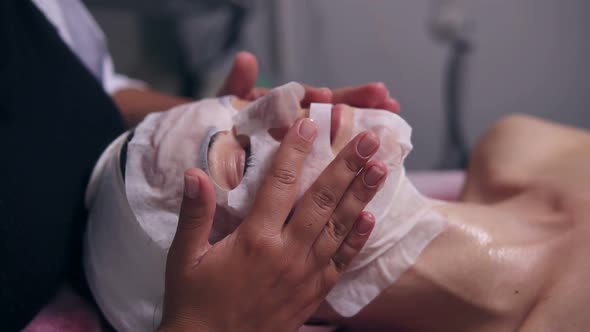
point(514, 257)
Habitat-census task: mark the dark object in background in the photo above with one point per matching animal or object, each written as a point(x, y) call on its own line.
point(206, 39)
point(448, 25)
point(55, 121)
point(188, 37)
point(456, 151)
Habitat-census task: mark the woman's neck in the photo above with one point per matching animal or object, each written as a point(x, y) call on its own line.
point(486, 270)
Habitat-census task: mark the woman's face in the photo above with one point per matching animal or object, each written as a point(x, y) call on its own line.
point(202, 134)
point(228, 154)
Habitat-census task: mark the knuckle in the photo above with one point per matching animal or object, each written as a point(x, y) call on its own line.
point(284, 177)
point(339, 264)
point(352, 164)
point(324, 198)
point(192, 213)
point(351, 250)
point(190, 221)
point(257, 245)
point(351, 246)
point(362, 195)
point(301, 147)
point(345, 255)
point(335, 229)
point(252, 246)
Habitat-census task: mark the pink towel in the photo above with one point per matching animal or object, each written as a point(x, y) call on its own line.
point(68, 312)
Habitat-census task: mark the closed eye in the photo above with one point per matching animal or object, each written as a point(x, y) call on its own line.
point(229, 157)
point(248, 161)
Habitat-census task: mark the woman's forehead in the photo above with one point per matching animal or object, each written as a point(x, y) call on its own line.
point(177, 136)
point(195, 119)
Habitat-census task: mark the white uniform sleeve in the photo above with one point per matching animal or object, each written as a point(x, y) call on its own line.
point(81, 33)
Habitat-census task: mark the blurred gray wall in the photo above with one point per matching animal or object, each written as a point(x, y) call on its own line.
point(531, 56)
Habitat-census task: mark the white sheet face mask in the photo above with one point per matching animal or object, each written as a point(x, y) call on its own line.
point(279, 109)
point(166, 144)
point(393, 132)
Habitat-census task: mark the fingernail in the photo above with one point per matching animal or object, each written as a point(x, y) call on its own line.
point(380, 85)
point(367, 145)
point(191, 186)
point(374, 176)
point(307, 129)
point(365, 223)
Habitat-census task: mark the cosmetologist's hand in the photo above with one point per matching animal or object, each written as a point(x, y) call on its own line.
point(270, 275)
point(241, 82)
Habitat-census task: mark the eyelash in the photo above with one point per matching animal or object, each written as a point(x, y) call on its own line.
point(249, 159)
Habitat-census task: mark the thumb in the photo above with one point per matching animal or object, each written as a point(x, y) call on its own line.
point(196, 215)
point(242, 76)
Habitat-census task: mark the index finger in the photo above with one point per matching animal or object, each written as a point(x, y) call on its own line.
point(276, 195)
point(373, 95)
point(312, 95)
point(315, 95)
